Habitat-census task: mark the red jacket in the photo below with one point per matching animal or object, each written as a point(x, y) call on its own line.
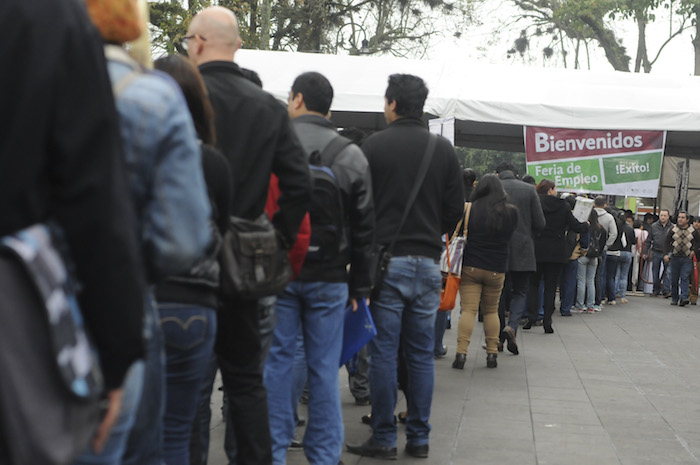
point(297, 253)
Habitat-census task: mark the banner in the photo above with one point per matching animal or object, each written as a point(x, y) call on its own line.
point(604, 162)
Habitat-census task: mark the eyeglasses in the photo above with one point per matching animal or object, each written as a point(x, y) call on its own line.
point(186, 39)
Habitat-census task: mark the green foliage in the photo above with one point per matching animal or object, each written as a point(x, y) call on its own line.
point(486, 161)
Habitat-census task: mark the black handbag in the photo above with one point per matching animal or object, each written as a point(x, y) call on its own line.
point(51, 381)
point(254, 260)
point(382, 254)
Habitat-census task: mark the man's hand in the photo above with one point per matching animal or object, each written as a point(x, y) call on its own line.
point(114, 398)
point(666, 259)
point(355, 306)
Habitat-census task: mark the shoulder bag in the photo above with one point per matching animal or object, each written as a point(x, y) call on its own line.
point(453, 256)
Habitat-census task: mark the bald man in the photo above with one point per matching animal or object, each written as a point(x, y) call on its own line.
point(253, 131)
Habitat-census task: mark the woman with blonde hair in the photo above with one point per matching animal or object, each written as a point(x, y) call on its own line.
point(489, 228)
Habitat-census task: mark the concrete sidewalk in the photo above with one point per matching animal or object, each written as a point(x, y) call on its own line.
point(617, 387)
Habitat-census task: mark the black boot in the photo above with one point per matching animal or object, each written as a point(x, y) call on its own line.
point(491, 360)
point(459, 361)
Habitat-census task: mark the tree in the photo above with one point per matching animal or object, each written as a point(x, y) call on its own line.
point(485, 161)
point(401, 27)
point(582, 22)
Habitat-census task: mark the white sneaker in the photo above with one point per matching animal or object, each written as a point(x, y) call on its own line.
point(624, 301)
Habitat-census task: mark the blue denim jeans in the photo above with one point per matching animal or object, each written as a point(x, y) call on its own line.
point(189, 333)
point(611, 263)
point(567, 286)
point(601, 284)
point(145, 444)
point(113, 449)
point(318, 310)
point(440, 326)
point(404, 311)
point(585, 282)
point(680, 271)
point(623, 271)
point(657, 259)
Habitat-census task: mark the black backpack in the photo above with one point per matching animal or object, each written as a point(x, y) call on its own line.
point(595, 244)
point(326, 210)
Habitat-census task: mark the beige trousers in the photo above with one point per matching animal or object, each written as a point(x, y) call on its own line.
point(479, 287)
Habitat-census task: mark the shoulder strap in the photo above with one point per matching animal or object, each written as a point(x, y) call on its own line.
point(468, 210)
point(331, 151)
point(427, 157)
point(118, 54)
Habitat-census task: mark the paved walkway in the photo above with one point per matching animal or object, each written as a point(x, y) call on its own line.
point(617, 387)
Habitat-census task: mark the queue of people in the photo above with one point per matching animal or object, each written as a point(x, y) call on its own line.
point(142, 174)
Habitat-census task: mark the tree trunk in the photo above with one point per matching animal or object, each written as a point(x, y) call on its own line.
point(265, 18)
point(696, 40)
point(642, 59)
point(614, 52)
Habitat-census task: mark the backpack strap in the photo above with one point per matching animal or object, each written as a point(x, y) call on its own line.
point(118, 54)
point(331, 151)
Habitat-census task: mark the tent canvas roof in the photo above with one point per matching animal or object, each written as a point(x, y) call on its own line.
point(492, 102)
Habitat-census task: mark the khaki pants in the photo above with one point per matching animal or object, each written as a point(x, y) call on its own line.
point(479, 287)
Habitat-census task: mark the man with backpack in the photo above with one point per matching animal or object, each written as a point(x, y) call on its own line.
point(342, 233)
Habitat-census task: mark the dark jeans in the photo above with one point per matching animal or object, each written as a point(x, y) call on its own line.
point(550, 272)
point(239, 351)
point(145, 444)
point(440, 326)
point(567, 286)
point(661, 283)
point(600, 283)
point(611, 264)
point(680, 271)
point(519, 286)
point(189, 333)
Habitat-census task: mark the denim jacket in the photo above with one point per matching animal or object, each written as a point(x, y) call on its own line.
point(164, 166)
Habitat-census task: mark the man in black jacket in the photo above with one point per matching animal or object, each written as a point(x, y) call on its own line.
point(522, 263)
point(342, 233)
point(407, 300)
point(254, 133)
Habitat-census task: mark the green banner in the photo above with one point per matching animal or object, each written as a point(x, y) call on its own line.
point(632, 168)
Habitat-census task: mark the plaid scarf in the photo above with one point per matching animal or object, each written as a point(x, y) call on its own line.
point(682, 241)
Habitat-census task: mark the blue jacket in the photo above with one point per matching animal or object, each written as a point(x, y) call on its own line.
point(164, 166)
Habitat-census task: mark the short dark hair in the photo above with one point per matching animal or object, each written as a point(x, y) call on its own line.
point(599, 201)
point(409, 92)
point(571, 200)
point(187, 76)
point(317, 91)
point(468, 177)
point(356, 135)
point(528, 178)
point(665, 210)
point(682, 212)
point(506, 166)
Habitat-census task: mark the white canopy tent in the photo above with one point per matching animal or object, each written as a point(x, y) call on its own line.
point(492, 103)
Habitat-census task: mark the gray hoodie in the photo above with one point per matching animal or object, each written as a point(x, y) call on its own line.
point(607, 221)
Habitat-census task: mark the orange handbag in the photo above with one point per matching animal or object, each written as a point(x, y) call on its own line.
point(450, 281)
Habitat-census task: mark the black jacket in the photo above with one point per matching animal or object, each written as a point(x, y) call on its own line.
point(254, 134)
point(352, 172)
point(60, 158)
point(394, 156)
point(550, 243)
point(657, 237)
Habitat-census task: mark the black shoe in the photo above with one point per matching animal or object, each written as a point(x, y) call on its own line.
point(565, 313)
point(683, 302)
point(667, 295)
point(296, 445)
point(460, 359)
point(370, 449)
point(529, 324)
point(491, 360)
point(674, 302)
point(420, 452)
point(509, 335)
point(548, 329)
point(441, 353)
point(402, 417)
point(362, 401)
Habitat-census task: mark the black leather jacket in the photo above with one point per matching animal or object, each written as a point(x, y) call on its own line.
point(354, 179)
